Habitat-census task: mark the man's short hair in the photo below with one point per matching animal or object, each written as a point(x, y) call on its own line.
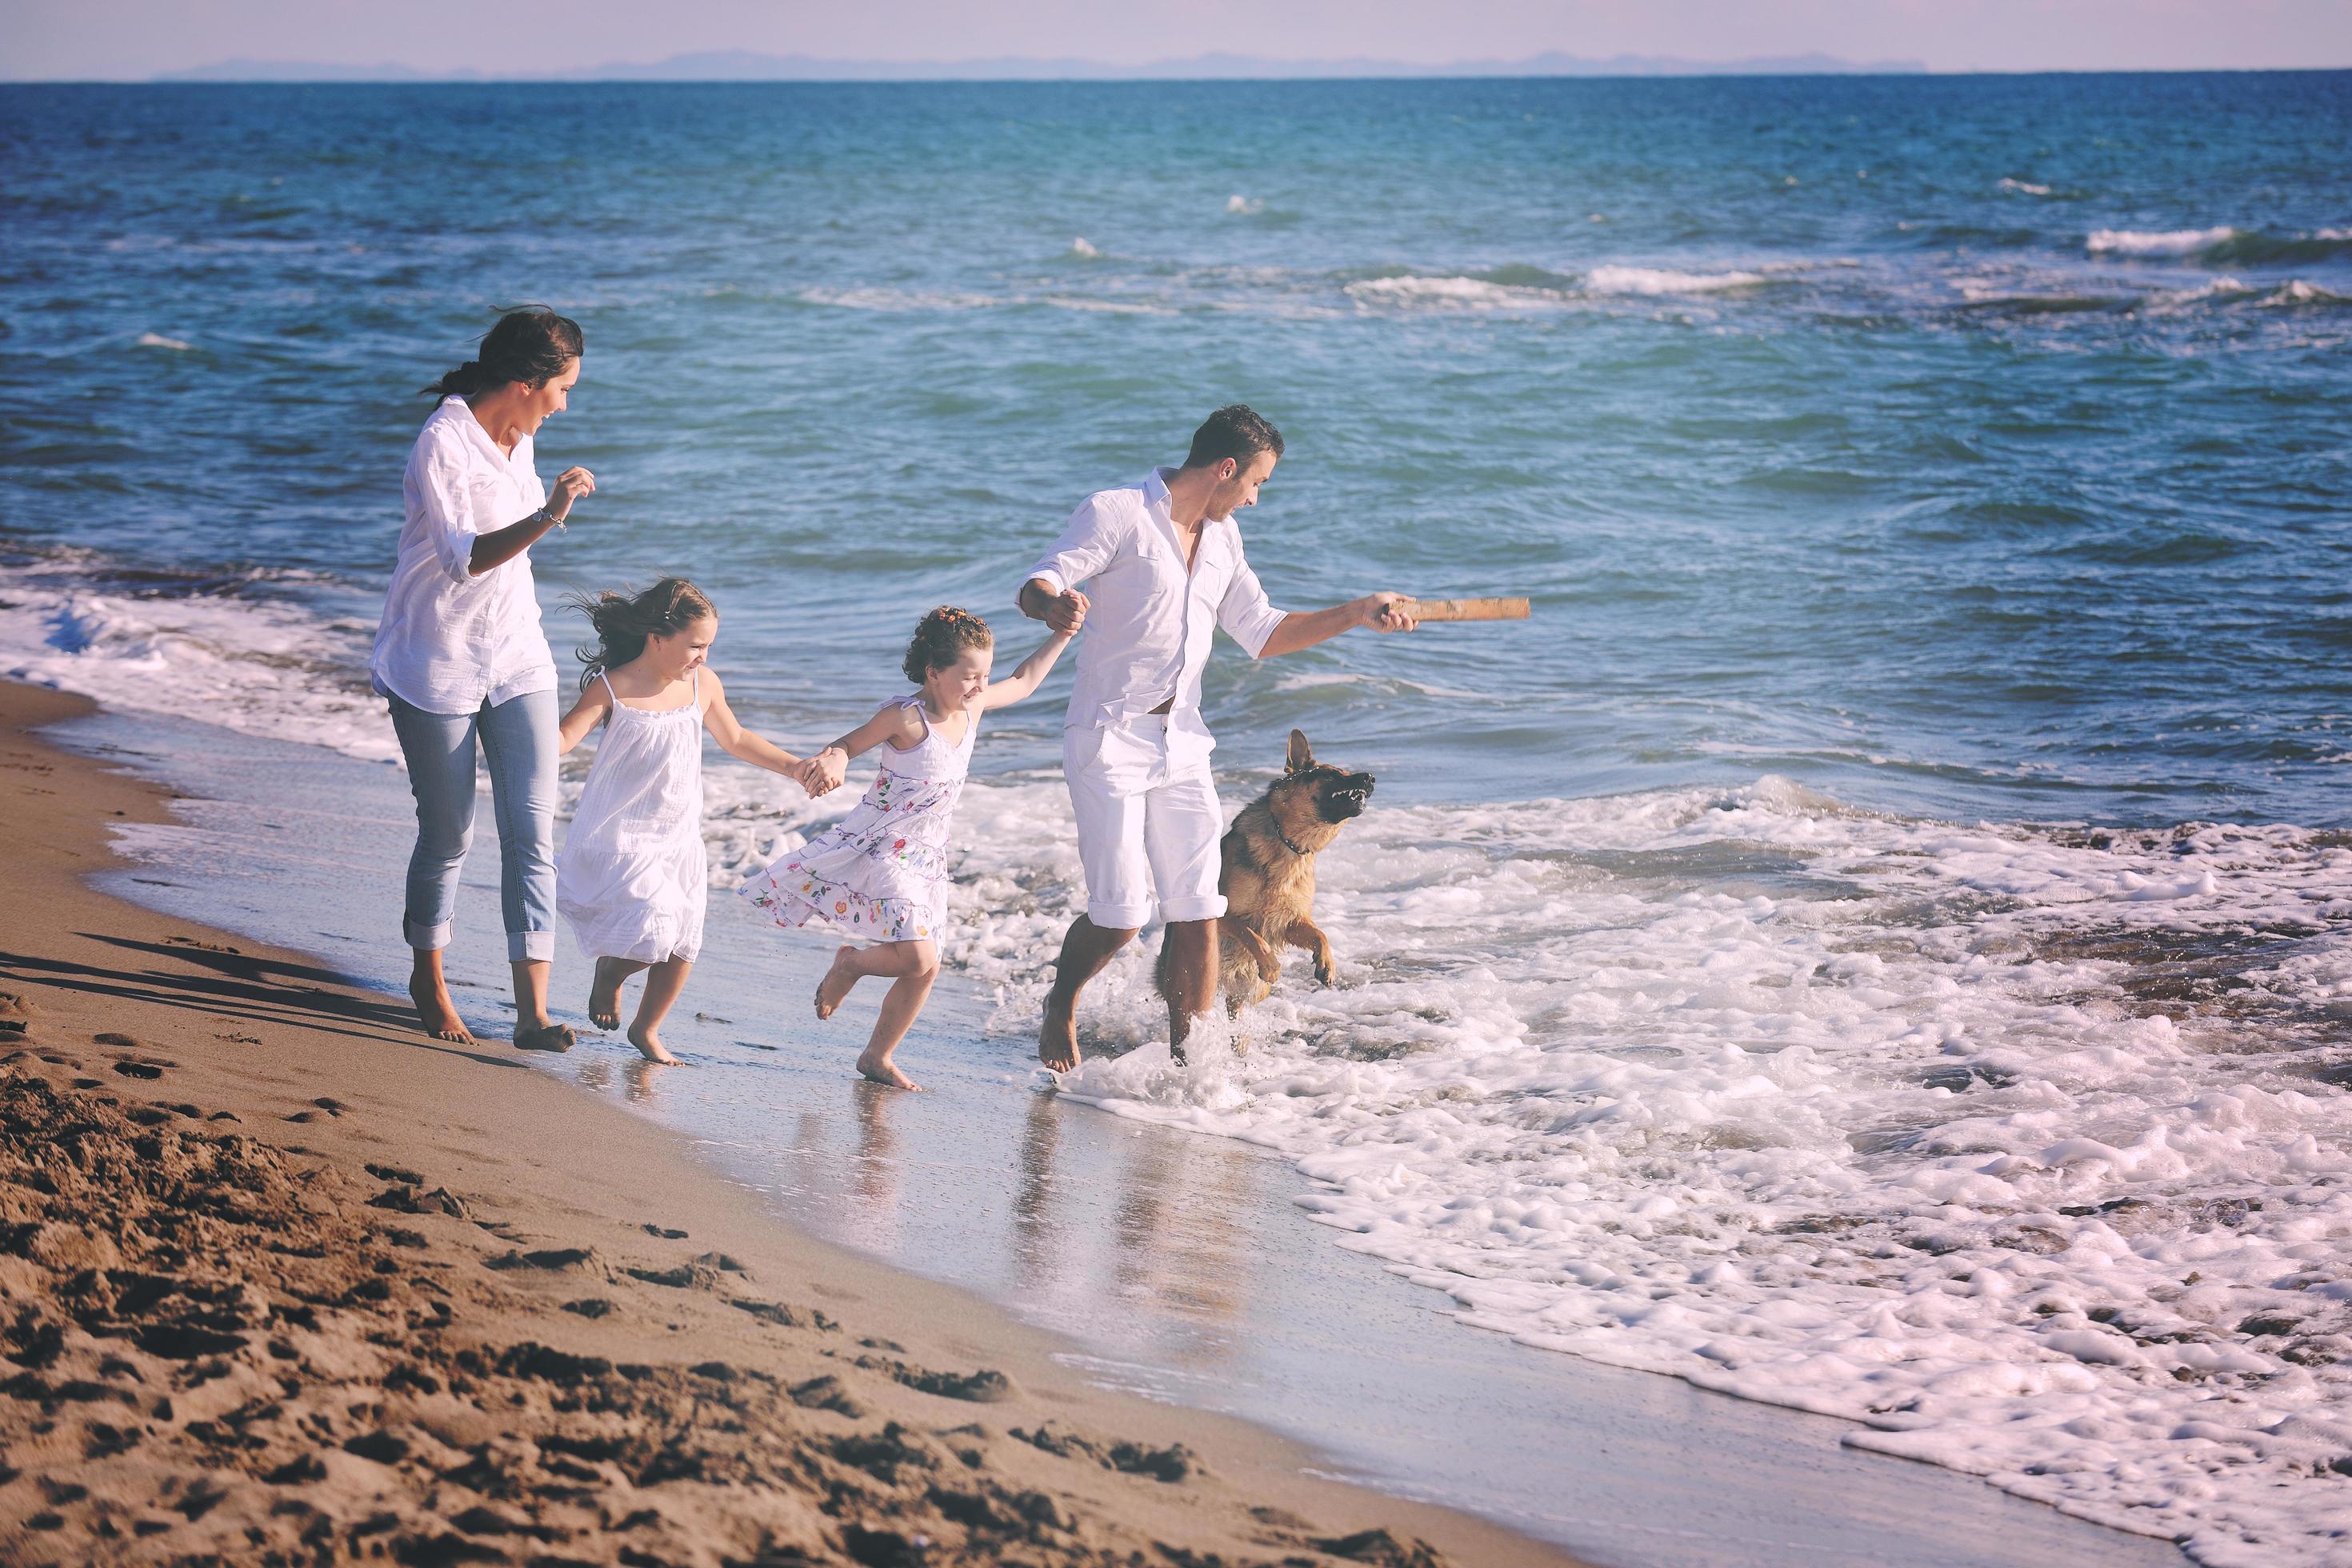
point(1235, 431)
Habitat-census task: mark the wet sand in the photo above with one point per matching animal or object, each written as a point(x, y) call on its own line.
point(284, 1280)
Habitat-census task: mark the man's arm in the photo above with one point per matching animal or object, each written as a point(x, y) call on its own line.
point(1089, 541)
point(1264, 632)
point(1064, 610)
point(1305, 629)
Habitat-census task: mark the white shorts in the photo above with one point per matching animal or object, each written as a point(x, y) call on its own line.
point(1147, 818)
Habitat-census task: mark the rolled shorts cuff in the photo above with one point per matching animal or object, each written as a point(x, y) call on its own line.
point(1193, 908)
point(1118, 917)
point(530, 947)
point(426, 938)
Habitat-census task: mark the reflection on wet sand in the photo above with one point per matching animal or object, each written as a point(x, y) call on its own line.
point(1173, 1249)
point(874, 1181)
point(1034, 1241)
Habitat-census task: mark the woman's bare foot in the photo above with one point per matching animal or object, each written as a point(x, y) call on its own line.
point(881, 1069)
point(604, 994)
point(649, 1042)
point(431, 994)
point(544, 1037)
point(1057, 1039)
point(838, 982)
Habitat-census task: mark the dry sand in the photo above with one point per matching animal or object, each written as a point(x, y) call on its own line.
point(282, 1280)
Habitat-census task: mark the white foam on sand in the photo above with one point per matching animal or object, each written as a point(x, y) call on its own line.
point(1662, 281)
point(1896, 1121)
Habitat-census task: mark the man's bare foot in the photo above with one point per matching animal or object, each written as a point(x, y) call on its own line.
point(544, 1037)
point(882, 1070)
point(838, 982)
point(649, 1042)
point(604, 994)
point(431, 994)
point(1057, 1039)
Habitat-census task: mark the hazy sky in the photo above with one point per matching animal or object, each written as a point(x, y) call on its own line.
point(129, 40)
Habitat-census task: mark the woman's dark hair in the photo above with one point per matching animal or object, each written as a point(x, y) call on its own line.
point(624, 621)
point(530, 346)
point(1235, 431)
point(940, 639)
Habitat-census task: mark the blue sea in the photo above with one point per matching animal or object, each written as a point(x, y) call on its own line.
point(1878, 940)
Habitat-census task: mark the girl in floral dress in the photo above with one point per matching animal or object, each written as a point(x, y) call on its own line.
point(881, 872)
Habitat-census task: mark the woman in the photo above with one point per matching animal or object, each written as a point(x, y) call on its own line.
point(462, 660)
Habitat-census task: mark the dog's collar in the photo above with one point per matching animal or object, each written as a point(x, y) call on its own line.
point(1287, 844)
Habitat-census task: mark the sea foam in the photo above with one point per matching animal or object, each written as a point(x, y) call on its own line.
point(2146, 242)
point(1663, 280)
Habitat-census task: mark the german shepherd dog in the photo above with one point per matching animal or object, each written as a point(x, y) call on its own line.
point(1268, 878)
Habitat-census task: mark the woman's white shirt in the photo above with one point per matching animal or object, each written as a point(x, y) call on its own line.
point(450, 641)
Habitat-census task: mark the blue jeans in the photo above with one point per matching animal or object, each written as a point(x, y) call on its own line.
point(519, 737)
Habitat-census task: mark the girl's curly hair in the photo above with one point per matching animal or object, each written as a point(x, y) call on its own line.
point(624, 621)
point(941, 637)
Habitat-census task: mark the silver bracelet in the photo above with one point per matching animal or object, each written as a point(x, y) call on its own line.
point(545, 516)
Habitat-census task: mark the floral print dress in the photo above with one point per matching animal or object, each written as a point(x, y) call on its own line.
point(880, 872)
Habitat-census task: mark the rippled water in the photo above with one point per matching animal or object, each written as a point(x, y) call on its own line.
point(1875, 940)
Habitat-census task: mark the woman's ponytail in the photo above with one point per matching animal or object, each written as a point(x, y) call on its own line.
point(531, 345)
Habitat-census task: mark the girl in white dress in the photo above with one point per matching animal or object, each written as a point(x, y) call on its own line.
point(882, 870)
point(631, 878)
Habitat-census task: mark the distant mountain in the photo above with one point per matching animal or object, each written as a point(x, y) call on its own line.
point(742, 65)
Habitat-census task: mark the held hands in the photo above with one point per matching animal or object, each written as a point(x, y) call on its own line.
point(1066, 612)
point(822, 773)
point(1387, 612)
point(570, 486)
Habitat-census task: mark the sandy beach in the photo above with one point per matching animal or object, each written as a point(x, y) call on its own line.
point(286, 1282)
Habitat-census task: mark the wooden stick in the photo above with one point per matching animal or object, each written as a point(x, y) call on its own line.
point(1470, 609)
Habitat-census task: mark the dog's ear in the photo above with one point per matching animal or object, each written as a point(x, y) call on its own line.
point(1302, 755)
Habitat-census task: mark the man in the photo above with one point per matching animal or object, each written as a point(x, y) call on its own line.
point(1163, 568)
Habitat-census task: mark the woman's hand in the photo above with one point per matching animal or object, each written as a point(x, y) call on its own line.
point(570, 486)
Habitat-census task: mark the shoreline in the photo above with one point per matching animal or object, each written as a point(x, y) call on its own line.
point(409, 1354)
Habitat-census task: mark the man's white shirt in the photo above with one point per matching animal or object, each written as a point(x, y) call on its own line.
point(1151, 622)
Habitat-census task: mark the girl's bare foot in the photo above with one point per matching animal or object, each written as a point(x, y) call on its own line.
point(431, 994)
point(881, 1069)
point(834, 988)
point(544, 1037)
point(604, 994)
point(649, 1042)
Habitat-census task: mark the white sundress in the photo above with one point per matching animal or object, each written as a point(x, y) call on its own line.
point(881, 871)
point(633, 880)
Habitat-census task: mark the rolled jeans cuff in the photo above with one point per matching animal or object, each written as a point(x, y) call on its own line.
point(530, 947)
point(426, 938)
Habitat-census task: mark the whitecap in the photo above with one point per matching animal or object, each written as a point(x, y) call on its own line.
point(1660, 280)
point(158, 340)
point(1451, 293)
point(1083, 246)
point(2149, 242)
point(2025, 187)
point(894, 299)
point(1243, 206)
